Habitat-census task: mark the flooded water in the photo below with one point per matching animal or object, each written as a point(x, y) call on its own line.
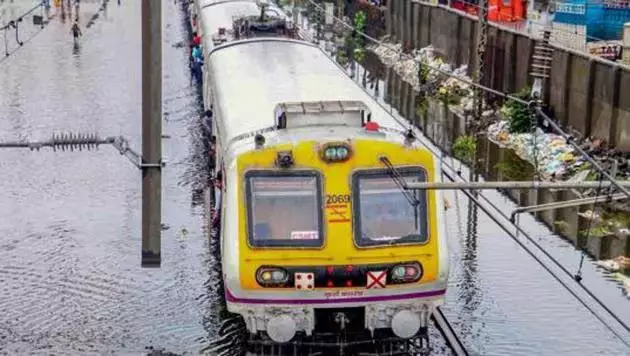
point(70, 276)
point(70, 226)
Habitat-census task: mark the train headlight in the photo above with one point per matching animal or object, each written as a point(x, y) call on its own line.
point(281, 328)
point(336, 152)
point(399, 272)
point(407, 272)
point(405, 324)
point(271, 276)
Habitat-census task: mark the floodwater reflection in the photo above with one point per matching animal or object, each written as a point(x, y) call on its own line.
point(70, 276)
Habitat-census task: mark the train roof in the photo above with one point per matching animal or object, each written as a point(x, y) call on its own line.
point(251, 77)
point(218, 14)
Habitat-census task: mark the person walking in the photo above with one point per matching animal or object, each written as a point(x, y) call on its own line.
point(197, 63)
point(76, 31)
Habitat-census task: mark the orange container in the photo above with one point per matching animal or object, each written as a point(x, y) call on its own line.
point(506, 11)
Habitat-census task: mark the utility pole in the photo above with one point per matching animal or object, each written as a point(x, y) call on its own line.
point(477, 76)
point(321, 17)
point(151, 132)
point(482, 43)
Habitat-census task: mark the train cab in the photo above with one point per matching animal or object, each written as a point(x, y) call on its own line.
point(325, 226)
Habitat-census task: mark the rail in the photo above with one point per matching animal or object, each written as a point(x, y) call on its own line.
point(444, 327)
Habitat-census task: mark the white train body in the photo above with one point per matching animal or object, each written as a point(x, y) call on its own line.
point(245, 81)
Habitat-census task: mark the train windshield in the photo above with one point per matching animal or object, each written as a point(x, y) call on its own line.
point(383, 215)
point(284, 209)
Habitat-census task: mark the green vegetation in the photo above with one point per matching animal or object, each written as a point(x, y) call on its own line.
point(596, 231)
point(342, 58)
point(561, 226)
point(450, 94)
point(465, 148)
point(518, 114)
point(620, 218)
point(422, 106)
point(514, 168)
point(360, 20)
point(610, 222)
point(423, 71)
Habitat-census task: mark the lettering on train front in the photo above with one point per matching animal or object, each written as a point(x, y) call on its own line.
point(338, 208)
point(337, 199)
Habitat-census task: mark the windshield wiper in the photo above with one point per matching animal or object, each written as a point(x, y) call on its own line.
point(400, 182)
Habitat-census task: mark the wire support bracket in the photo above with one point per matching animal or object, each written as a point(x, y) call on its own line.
point(87, 142)
point(556, 127)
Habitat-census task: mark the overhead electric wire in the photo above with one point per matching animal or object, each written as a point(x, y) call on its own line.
point(550, 121)
point(569, 140)
point(538, 246)
point(533, 255)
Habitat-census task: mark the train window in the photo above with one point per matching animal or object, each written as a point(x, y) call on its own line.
point(284, 209)
point(383, 215)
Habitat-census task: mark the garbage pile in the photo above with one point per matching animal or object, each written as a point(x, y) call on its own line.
point(392, 56)
point(555, 157)
point(437, 84)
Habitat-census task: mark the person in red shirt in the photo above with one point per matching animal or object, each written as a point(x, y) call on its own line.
point(196, 40)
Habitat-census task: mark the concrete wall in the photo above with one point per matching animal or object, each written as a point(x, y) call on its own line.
point(442, 127)
point(585, 92)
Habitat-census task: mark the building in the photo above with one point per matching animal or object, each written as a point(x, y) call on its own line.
point(600, 19)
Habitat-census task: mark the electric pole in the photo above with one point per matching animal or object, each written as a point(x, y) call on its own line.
point(482, 43)
point(151, 132)
point(477, 76)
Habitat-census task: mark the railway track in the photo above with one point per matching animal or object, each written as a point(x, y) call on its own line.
point(234, 339)
point(448, 333)
point(367, 347)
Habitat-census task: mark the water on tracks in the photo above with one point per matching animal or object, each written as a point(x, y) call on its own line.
point(70, 227)
point(70, 276)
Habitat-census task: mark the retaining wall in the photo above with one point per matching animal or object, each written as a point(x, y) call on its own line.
point(585, 92)
point(442, 127)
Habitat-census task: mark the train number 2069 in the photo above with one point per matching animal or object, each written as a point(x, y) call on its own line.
point(337, 198)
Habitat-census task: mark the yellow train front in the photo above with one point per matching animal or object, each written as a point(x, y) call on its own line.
point(318, 236)
point(327, 237)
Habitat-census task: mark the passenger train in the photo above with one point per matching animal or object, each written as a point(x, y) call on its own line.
point(318, 235)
